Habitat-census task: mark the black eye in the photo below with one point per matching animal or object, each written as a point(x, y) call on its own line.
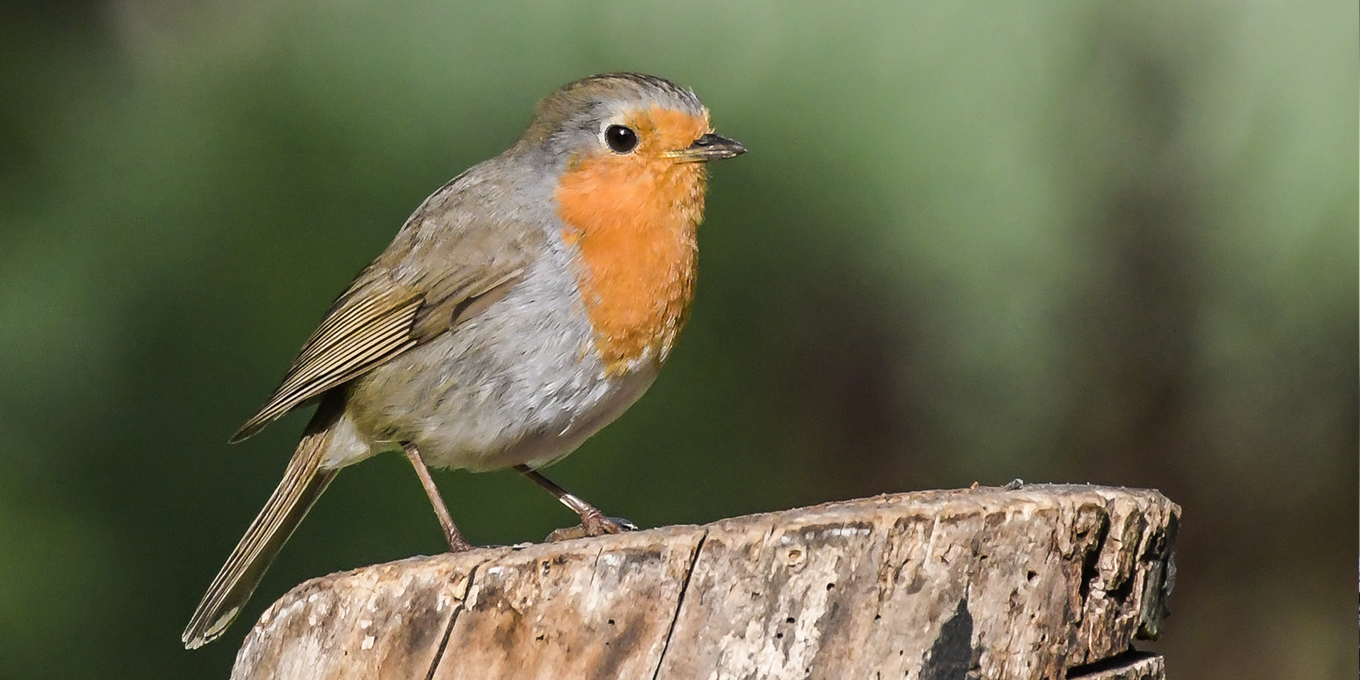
point(620, 138)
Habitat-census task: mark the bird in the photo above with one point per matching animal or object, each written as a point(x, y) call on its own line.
point(523, 306)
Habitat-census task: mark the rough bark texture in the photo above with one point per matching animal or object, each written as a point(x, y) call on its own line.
point(987, 583)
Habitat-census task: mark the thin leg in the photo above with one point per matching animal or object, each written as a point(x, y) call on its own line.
point(456, 541)
point(592, 520)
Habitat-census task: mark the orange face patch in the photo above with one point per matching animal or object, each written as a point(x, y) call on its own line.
point(632, 217)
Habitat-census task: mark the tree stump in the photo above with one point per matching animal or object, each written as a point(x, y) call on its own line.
point(1036, 582)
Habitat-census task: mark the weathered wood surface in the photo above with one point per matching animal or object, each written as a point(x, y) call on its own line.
point(976, 583)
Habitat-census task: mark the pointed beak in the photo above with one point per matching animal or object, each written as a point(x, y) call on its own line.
point(710, 147)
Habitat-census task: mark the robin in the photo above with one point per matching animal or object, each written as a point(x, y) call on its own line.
point(522, 307)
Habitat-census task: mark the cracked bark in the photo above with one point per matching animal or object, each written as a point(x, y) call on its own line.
point(1037, 582)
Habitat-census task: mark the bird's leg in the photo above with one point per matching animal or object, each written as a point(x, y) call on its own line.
point(456, 541)
point(593, 522)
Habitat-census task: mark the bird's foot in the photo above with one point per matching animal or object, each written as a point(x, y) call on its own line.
point(592, 525)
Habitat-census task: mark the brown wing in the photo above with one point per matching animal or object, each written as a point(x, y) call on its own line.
point(393, 305)
point(370, 324)
point(362, 329)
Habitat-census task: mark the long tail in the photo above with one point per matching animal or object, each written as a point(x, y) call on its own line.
point(302, 484)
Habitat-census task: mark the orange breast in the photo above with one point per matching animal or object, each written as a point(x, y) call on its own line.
point(632, 219)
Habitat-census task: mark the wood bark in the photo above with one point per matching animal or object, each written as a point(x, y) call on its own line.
point(1036, 582)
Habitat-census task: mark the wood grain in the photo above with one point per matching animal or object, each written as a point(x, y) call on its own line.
point(978, 583)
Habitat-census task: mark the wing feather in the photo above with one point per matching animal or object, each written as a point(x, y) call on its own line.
point(482, 251)
point(360, 332)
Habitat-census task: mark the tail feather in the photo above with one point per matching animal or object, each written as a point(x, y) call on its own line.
point(302, 484)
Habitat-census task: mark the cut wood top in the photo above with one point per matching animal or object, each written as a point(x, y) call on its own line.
point(1023, 583)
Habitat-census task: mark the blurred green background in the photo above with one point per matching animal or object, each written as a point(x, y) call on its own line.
point(1060, 241)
